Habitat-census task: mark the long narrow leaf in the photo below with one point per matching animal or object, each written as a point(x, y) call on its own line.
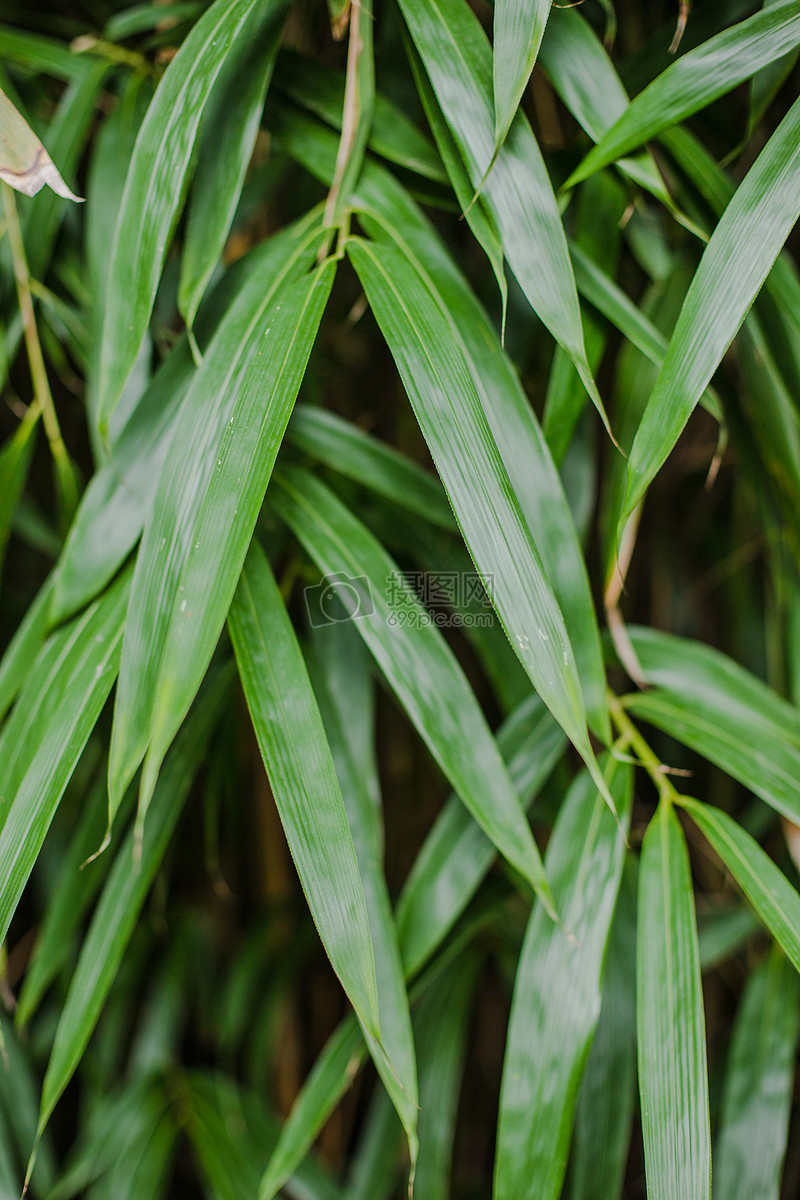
point(416, 661)
point(732, 269)
point(771, 894)
point(43, 741)
point(673, 1080)
point(518, 192)
point(450, 415)
point(227, 135)
point(557, 992)
point(210, 490)
point(696, 79)
point(759, 1082)
point(121, 901)
point(154, 191)
point(298, 760)
point(518, 30)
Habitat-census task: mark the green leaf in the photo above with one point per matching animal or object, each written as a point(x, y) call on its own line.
point(759, 1083)
point(227, 136)
point(607, 1096)
point(115, 505)
point(584, 77)
point(475, 212)
point(154, 191)
point(557, 991)
point(298, 761)
point(517, 192)
point(23, 649)
point(415, 659)
point(456, 855)
point(232, 1133)
point(518, 30)
point(448, 409)
point(774, 899)
point(732, 269)
point(327, 1082)
point(108, 166)
point(609, 299)
point(359, 456)
point(43, 740)
point(141, 18)
point(441, 1025)
point(15, 461)
point(205, 508)
point(695, 80)
point(519, 438)
point(335, 673)
point(673, 1080)
point(123, 895)
point(715, 707)
point(78, 882)
point(320, 89)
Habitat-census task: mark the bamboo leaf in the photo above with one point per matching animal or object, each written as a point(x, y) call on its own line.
point(327, 1082)
point(359, 456)
point(205, 508)
point(607, 1096)
point(695, 80)
point(759, 1081)
point(415, 659)
point(557, 992)
point(78, 883)
point(673, 1081)
point(456, 855)
point(513, 424)
point(441, 1028)
point(231, 1133)
point(115, 505)
point(732, 269)
point(154, 191)
point(713, 706)
point(121, 901)
point(448, 409)
point(24, 647)
point(774, 899)
point(227, 136)
point(330, 678)
point(518, 31)
point(517, 192)
point(48, 730)
point(298, 761)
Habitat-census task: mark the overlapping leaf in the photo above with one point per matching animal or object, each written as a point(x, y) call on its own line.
point(696, 79)
point(210, 490)
point(732, 269)
point(448, 408)
point(154, 191)
point(299, 765)
point(557, 992)
point(415, 660)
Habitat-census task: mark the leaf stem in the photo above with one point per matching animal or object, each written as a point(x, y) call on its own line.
point(42, 396)
point(646, 756)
